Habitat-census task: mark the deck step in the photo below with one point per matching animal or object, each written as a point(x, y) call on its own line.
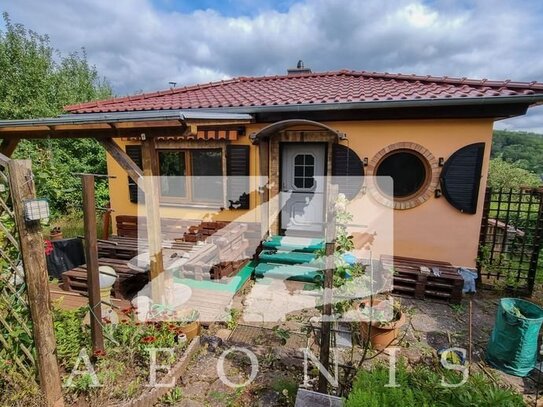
point(288, 272)
point(298, 244)
point(286, 257)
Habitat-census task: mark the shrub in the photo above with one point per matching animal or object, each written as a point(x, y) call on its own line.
point(421, 386)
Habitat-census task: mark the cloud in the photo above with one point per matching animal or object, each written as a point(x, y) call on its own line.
point(141, 45)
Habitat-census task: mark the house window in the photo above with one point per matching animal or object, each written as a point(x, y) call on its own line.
point(408, 170)
point(193, 176)
point(207, 175)
point(172, 170)
point(413, 169)
point(304, 171)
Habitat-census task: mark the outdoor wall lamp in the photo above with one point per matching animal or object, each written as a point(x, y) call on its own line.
point(36, 209)
point(441, 161)
point(365, 161)
point(438, 193)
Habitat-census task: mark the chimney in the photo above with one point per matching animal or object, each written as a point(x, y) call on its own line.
point(299, 70)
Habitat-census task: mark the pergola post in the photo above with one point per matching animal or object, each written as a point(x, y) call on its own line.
point(37, 281)
point(152, 208)
point(264, 192)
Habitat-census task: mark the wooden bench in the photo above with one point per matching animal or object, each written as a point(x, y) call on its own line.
point(409, 280)
point(128, 282)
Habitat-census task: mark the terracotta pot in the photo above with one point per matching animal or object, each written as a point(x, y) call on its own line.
point(382, 334)
point(55, 236)
point(190, 330)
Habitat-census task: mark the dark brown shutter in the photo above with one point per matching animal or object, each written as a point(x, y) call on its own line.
point(461, 177)
point(237, 170)
point(347, 170)
point(135, 193)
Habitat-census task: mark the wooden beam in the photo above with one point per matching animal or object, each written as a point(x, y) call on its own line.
point(4, 161)
point(93, 126)
point(126, 163)
point(150, 123)
point(20, 129)
point(264, 192)
point(9, 145)
point(37, 282)
point(190, 130)
point(326, 325)
point(91, 256)
point(152, 208)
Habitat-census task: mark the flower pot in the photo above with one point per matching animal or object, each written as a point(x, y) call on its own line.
point(382, 333)
point(191, 325)
point(55, 236)
point(190, 330)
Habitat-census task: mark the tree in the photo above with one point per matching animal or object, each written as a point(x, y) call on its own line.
point(507, 175)
point(37, 81)
point(523, 149)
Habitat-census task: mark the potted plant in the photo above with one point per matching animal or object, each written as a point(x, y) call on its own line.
point(381, 320)
point(188, 322)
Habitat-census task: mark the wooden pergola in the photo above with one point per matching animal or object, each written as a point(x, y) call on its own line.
point(145, 126)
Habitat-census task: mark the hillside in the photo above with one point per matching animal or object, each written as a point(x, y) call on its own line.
point(523, 149)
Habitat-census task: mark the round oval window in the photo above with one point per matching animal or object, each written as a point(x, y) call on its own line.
point(408, 171)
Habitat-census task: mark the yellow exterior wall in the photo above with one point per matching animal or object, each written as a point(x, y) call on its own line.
point(432, 230)
point(435, 229)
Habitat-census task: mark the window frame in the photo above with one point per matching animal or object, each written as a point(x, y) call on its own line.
point(188, 199)
point(424, 184)
point(426, 191)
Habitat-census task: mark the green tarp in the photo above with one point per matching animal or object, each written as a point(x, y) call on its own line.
point(513, 344)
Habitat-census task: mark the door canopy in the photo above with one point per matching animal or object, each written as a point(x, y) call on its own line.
point(274, 128)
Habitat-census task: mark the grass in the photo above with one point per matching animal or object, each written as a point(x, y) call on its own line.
point(71, 225)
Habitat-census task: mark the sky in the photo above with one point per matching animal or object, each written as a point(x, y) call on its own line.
point(142, 45)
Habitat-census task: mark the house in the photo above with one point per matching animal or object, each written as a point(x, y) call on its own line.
point(432, 135)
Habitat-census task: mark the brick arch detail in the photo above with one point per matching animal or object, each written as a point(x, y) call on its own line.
point(425, 193)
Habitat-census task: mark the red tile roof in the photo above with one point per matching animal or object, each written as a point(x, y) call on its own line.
point(313, 88)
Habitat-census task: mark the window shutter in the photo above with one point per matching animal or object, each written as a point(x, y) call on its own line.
point(135, 193)
point(347, 170)
point(461, 177)
point(237, 170)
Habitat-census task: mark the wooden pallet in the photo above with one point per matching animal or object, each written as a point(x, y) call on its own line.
point(123, 247)
point(128, 282)
point(409, 280)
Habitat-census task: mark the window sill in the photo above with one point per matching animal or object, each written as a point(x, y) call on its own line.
point(209, 205)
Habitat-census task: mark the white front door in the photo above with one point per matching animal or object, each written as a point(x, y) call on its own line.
point(302, 188)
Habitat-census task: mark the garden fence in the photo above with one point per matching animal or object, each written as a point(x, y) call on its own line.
point(510, 238)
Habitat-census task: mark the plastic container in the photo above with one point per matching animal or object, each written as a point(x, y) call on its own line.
point(513, 344)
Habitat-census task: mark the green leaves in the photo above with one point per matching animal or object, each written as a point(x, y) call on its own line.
point(37, 81)
point(503, 174)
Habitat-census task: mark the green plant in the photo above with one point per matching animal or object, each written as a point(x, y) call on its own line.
point(287, 388)
point(70, 334)
point(173, 396)
point(233, 318)
point(458, 308)
point(422, 386)
point(282, 334)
